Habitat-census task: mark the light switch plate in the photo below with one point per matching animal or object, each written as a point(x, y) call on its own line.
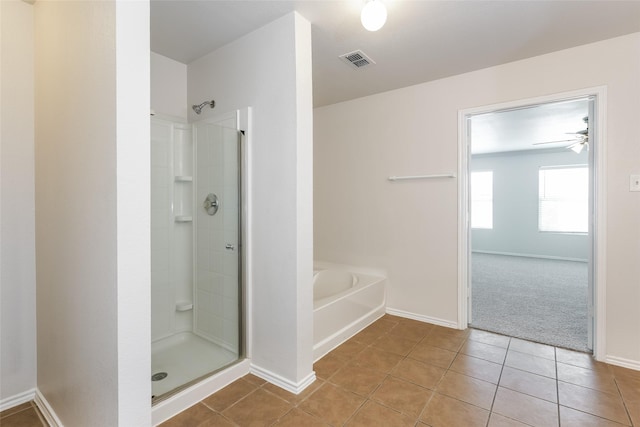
point(634, 183)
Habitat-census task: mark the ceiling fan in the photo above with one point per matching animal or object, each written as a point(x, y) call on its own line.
point(580, 141)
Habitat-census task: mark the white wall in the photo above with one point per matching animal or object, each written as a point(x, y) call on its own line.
point(168, 86)
point(17, 234)
point(132, 38)
point(269, 70)
point(410, 228)
point(515, 206)
point(92, 211)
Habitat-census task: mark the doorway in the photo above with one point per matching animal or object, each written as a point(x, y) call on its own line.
point(530, 176)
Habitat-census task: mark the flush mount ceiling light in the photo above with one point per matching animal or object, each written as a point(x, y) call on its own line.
point(373, 15)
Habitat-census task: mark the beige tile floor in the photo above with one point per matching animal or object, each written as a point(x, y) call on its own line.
point(25, 415)
point(400, 372)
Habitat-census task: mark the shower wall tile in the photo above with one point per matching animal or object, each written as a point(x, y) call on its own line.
point(231, 286)
point(231, 209)
point(218, 284)
point(203, 156)
point(159, 202)
point(205, 299)
point(230, 308)
point(161, 303)
point(160, 178)
point(203, 282)
point(231, 264)
point(160, 245)
point(217, 149)
point(217, 239)
point(230, 334)
point(214, 177)
point(216, 262)
point(159, 153)
point(202, 260)
point(203, 323)
point(182, 150)
point(217, 324)
point(202, 242)
point(159, 275)
point(230, 172)
point(157, 222)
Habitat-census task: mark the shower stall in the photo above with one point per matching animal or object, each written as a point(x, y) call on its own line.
point(196, 251)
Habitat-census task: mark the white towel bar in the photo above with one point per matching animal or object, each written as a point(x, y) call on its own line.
point(402, 178)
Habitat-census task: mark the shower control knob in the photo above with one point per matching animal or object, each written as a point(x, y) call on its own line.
point(211, 204)
point(229, 247)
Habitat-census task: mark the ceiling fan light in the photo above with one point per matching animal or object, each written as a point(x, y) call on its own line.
point(373, 15)
point(577, 147)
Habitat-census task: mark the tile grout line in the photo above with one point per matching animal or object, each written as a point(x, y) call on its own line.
point(367, 397)
point(498, 384)
point(555, 355)
point(435, 386)
point(624, 402)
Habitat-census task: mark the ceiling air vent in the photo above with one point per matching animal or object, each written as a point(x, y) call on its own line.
point(357, 59)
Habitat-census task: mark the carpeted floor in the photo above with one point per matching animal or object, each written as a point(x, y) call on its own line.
point(535, 299)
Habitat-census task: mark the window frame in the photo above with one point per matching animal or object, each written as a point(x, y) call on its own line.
point(540, 199)
point(471, 199)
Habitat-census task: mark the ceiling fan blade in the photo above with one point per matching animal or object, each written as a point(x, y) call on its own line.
point(554, 142)
point(583, 132)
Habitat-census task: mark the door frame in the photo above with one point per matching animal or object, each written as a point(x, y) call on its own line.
point(599, 206)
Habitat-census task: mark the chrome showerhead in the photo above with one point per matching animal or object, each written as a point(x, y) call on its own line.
point(198, 108)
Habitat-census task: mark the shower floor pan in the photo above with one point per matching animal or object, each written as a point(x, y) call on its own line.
point(185, 357)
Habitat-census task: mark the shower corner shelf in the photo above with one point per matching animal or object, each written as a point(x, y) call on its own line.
point(183, 218)
point(183, 178)
point(184, 306)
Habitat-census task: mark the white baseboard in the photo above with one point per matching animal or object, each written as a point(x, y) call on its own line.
point(295, 388)
point(47, 411)
point(559, 258)
point(18, 399)
point(625, 363)
point(420, 317)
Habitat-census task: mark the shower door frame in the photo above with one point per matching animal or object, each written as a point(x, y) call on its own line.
point(241, 118)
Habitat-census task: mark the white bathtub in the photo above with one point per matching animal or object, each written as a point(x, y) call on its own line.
point(344, 303)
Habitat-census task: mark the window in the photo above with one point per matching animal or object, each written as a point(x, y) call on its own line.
point(564, 199)
point(482, 199)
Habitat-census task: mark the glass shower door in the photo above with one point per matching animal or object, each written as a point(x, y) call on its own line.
point(218, 240)
point(196, 252)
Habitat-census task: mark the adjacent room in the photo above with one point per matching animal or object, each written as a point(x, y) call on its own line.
point(530, 222)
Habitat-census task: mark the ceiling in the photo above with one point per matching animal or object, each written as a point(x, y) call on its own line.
point(526, 128)
point(422, 40)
